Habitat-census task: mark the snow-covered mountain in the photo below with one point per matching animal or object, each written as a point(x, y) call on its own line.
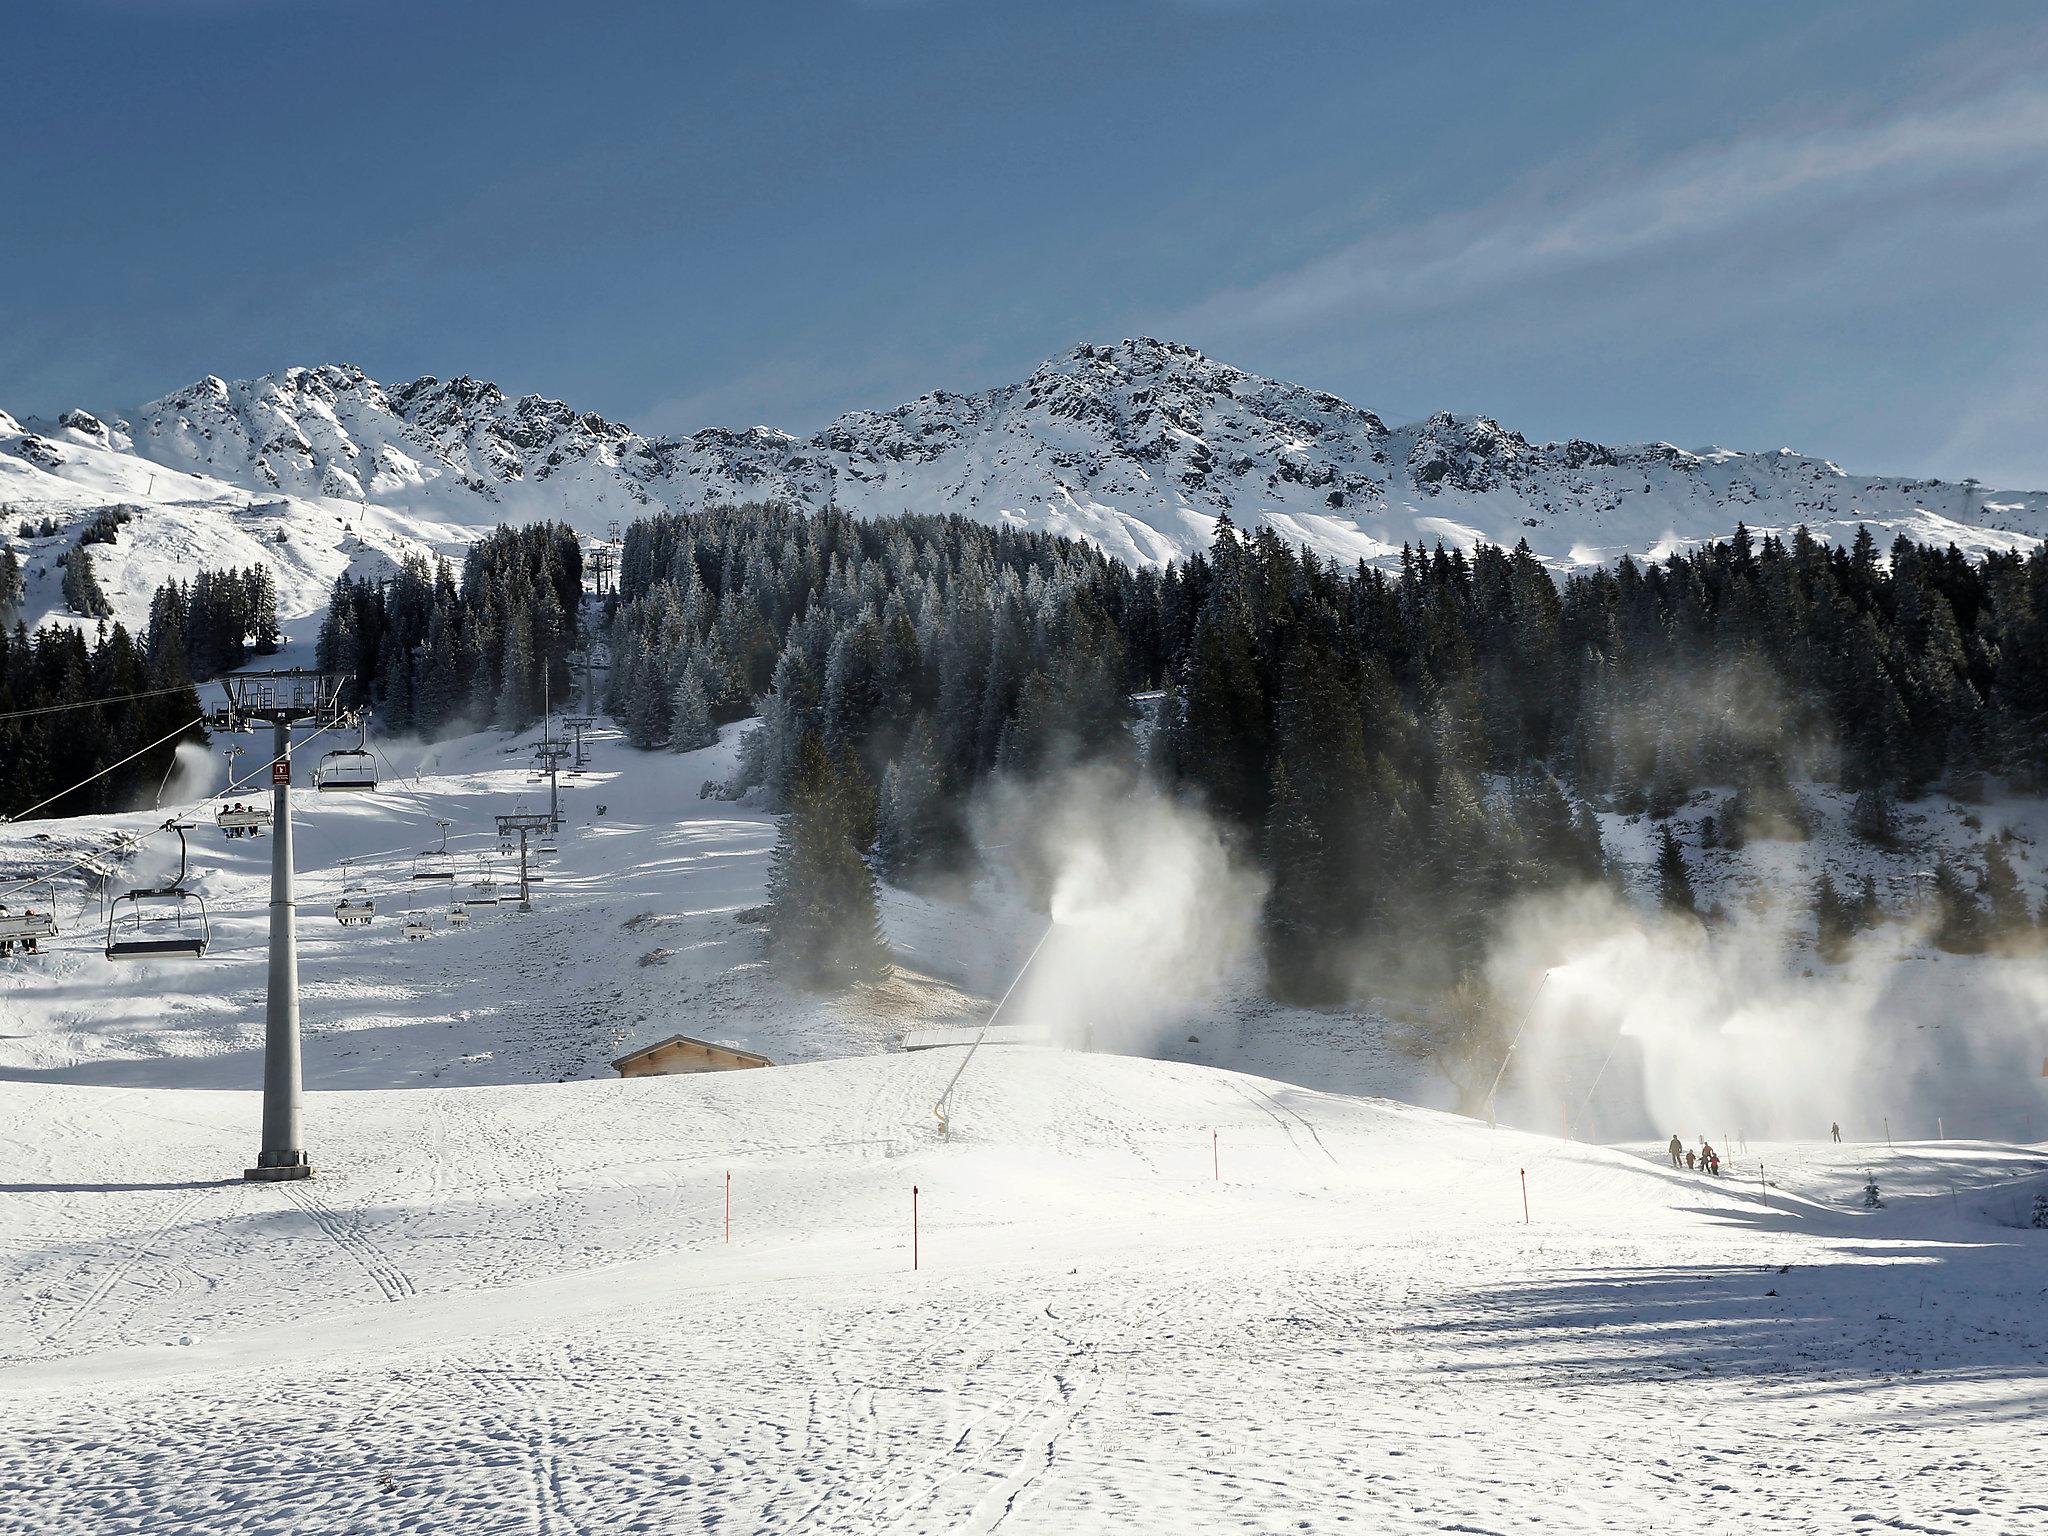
point(1139, 447)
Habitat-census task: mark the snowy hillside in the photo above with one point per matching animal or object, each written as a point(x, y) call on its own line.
point(1176, 1281)
point(646, 926)
point(518, 1310)
point(1138, 447)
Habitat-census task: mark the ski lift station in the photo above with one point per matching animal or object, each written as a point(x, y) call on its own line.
point(680, 1053)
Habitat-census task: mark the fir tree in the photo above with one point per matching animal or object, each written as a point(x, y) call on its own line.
point(2007, 918)
point(1958, 917)
point(81, 587)
point(824, 929)
point(1834, 920)
point(690, 725)
point(1674, 879)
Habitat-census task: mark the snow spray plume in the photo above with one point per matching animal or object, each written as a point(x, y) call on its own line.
point(193, 773)
point(1150, 909)
point(1649, 1024)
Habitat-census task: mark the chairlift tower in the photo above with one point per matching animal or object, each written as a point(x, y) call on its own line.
point(550, 757)
point(294, 700)
point(579, 724)
point(524, 823)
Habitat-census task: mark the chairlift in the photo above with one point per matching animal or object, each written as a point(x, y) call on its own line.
point(458, 916)
point(484, 889)
point(160, 922)
point(30, 924)
point(349, 769)
point(244, 820)
point(357, 906)
point(234, 817)
point(437, 865)
point(417, 928)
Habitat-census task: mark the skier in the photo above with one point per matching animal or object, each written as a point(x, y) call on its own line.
point(1677, 1149)
point(1688, 1159)
point(1835, 1130)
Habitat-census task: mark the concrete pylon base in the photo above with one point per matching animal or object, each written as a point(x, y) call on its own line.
point(276, 1175)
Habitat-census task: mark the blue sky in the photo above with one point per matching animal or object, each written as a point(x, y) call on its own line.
point(1758, 224)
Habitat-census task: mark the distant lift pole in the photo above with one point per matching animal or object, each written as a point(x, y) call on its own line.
point(294, 700)
point(524, 823)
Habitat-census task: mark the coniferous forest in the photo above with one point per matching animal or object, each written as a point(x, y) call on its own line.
point(1403, 751)
point(45, 754)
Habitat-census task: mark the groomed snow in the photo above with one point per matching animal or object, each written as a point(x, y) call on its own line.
point(513, 1309)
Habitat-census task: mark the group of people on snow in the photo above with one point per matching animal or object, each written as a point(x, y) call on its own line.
point(240, 831)
point(1706, 1160)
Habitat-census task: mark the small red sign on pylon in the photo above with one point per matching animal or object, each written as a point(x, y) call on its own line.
point(281, 771)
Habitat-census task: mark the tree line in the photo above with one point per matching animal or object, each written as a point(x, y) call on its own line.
point(215, 622)
point(44, 753)
point(1403, 750)
point(433, 654)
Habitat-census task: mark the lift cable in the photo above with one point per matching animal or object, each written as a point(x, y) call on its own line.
point(119, 698)
point(102, 773)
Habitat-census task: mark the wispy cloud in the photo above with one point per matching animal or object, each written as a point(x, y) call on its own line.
point(1637, 214)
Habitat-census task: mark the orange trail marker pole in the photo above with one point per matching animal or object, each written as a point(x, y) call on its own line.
point(1525, 1197)
point(913, 1226)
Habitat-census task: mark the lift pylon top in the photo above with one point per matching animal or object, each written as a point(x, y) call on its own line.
point(280, 698)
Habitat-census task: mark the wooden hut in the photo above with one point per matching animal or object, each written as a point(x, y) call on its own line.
point(680, 1053)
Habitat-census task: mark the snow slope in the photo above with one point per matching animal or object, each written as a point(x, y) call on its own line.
point(641, 931)
point(1137, 446)
point(513, 1309)
point(507, 1304)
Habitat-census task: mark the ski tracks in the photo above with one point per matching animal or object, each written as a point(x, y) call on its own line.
point(348, 1232)
point(1283, 1116)
point(137, 1251)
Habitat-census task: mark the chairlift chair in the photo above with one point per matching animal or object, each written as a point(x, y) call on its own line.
point(349, 769)
point(417, 928)
point(437, 865)
point(484, 890)
point(357, 906)
point(242, 818)
point(458, 916)
point(233, 816)
point(30, 924)
point(160, 922)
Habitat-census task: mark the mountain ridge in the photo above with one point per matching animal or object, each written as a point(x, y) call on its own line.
point(1137, 446)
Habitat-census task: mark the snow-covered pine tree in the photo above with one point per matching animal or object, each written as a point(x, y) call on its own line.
point(83, 594)
point(690, 725)
point(824, 927)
